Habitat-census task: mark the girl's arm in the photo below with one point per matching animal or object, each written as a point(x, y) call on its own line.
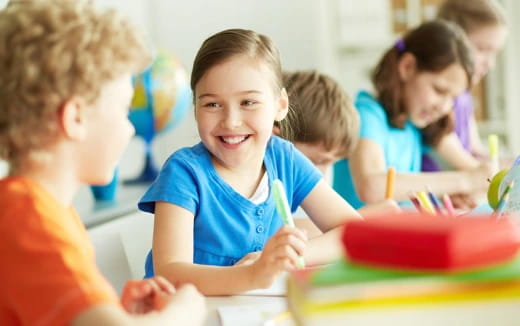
point(476, 146)
point(173, 256)
point(368, 169)
point(387, 206)
point(308, 226)
point(450, 149)
point(329, 211)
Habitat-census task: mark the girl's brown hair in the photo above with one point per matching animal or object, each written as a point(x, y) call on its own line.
point(435, 45)
point(233, 42)
point(473, 14)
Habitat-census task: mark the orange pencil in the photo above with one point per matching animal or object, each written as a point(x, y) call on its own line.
point(390, 180)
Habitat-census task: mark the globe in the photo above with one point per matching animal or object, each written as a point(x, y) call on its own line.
point(162, 97)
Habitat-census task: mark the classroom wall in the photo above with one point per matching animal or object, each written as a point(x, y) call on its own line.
point(309, 34)
point(181, 26)
point(300, 28)
point(296, 26)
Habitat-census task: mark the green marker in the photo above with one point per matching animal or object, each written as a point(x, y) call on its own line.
point(282, 206)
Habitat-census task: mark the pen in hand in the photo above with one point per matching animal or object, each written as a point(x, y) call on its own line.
point(282, 207)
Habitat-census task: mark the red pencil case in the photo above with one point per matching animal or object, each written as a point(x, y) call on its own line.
point(430, 242)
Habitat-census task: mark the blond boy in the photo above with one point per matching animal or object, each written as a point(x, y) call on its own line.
point(65, 88)
point(324, 127)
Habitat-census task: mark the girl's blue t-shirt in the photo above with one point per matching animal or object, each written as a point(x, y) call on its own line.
point(228, 226)
point(402, 148)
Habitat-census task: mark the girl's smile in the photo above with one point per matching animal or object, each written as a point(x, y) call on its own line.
point(235, 108)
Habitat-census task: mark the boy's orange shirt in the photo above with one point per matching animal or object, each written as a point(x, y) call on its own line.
point(48, 275)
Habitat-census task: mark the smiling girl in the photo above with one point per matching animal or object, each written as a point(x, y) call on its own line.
point(215, 220)
point(415, 84)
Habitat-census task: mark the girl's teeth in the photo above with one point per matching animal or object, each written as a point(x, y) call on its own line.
point(233, 140)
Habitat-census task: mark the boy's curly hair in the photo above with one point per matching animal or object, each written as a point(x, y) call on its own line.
point(50, 51)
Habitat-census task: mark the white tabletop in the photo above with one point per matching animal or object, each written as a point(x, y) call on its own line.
point(240, 310)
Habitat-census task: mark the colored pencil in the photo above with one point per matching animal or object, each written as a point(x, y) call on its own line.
point(282, 206)
point(503, 199)
point(435, 202)
point(425, 202)
point(448, 205)
point(415, 202)
point(493, 151)
point(390, 181)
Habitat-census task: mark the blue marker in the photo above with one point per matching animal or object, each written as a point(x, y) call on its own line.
point(517, 161)
point(436, 203)
point(282, 207)
point(503, 199)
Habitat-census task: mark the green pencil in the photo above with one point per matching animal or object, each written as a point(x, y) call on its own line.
point(282, 207)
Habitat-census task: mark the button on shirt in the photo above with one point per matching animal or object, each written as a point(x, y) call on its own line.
point(227, 225)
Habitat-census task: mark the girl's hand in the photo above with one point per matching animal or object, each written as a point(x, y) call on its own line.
point(143, 296)
point(280, 254)
point(463, 202)
point(480, 176)
point(386, 206)
point(249, 258)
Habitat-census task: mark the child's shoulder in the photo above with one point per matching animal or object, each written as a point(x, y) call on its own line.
point(366, 100)
point(15, 190)
point(21, 202)
point(280, 146)
point(189, 153)
point(366, 103)
point(194, 158)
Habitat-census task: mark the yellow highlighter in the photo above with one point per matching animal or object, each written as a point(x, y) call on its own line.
point(493, 151)
point(282, 207)
point(425, 202)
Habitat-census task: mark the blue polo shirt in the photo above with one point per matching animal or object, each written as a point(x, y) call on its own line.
point(402, 148)
point(228, 226)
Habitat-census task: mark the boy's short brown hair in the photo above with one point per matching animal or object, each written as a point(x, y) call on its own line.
point(325, 113)
point(51, 51)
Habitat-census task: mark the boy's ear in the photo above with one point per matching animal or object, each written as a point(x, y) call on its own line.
point(72, 118)
point(283, 108)
point(407, 66)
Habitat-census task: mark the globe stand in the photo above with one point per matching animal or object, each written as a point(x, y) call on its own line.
point(106, 193)
point(149, 172)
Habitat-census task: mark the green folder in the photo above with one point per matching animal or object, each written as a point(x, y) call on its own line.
point(342, 272)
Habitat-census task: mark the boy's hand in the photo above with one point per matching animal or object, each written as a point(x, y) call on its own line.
point(280, 254)
point(188, 293)
point(143, 296)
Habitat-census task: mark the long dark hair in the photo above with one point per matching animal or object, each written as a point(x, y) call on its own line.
point(435, 45)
